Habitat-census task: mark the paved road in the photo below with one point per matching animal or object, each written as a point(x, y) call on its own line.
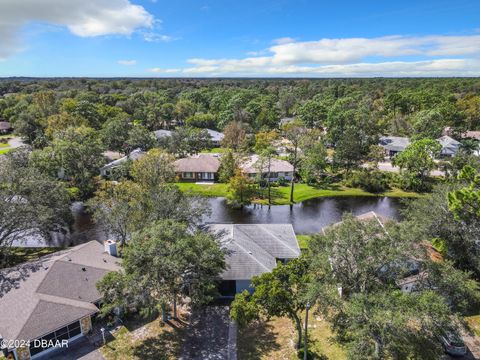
point(80, 349)
point(212, 336)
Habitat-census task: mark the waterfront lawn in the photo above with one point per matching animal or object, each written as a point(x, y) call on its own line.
point(4, 151)
point(281, 194)
point(18, 255)
point(146, 340)
point(209, 190)
point(274, 339)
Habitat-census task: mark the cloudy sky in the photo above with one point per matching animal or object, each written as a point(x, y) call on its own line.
point(220, 38)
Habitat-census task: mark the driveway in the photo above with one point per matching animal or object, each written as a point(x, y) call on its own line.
point(80, 349)
point(212, 335)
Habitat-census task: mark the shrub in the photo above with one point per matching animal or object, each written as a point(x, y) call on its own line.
point(371, 181)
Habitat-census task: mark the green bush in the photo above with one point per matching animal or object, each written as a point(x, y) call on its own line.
point(371, 181)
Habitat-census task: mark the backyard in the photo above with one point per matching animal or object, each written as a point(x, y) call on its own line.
point(281, 194)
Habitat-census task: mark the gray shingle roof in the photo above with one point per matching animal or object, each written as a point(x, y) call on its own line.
point(449, 146)
point(251, 165)
point(53, 291)
point(394, 143)
point(215, 135)
point(253, 249)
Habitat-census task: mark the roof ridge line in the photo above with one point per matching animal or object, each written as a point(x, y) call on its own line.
point(278, 239)
point(253, 257)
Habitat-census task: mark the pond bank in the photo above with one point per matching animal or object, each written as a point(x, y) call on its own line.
point(302, 192)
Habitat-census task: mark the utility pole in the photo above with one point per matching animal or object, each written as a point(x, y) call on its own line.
point(305, 348)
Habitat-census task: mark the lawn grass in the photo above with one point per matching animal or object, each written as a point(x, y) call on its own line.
point(281, 194)
point(474, 324)
point(146, 340)
point(18, 255)
point(303, 241)
point(275, 339)
point(3, 145)
point(217, 150)
point(4, 151)
point(209, 190)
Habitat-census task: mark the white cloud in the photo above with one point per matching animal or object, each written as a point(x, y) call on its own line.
point(83, 18)
point(127, 62)
point(156, 37)
point(163, 71)
point(434, 56)
point(283, 40)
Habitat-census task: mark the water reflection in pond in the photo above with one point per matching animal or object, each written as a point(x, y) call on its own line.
point(307, 217)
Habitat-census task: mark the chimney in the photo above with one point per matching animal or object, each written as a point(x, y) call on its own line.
point(111, 247)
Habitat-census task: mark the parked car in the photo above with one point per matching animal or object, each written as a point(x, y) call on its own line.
point(453, 344)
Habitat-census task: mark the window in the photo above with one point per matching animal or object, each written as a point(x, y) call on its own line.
point(187, 175)
point(64, 333)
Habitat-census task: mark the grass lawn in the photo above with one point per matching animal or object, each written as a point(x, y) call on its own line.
point(3, 145)
point(474, 324)
point(213, 190)
point(281, 194)
point(303, 241)
point(275, 339)
point(20, 255)
point(217, 150)
point(146, 340)
point(4, 151)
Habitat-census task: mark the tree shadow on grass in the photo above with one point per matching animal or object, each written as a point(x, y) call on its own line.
point(164, 346)
point(256, 340)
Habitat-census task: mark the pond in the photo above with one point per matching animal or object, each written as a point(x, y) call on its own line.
point(307, 217)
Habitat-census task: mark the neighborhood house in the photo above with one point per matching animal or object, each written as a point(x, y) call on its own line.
point(199, 167)
point(251, 250)
point(108, 169)
point(278, 168)
point(53, 298)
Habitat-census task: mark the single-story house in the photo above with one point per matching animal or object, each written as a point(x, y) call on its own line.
point(108, 169)
point(449, 146)
point(215, 137)
point(200, 167)
point(251, 250)
point(51, 301)
point(278, 168)
point(394, 144)
point(5, 127)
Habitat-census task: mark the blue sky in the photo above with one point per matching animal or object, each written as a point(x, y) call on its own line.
point(239, 38)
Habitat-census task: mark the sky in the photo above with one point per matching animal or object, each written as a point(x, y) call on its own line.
point(241, 38)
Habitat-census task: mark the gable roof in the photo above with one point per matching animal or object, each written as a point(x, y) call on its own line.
point(215, 135)
point(250, 166)
point(198, 163)
point(134, 155)
point(253, 249)
point(394, 143)
point(52, 291)
point(449, 146)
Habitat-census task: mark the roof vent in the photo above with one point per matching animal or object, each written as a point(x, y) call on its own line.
point(111, 247)
point(84, 269)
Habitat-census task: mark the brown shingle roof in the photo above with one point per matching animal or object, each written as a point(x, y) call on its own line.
point(53, 291)
point(198, 163)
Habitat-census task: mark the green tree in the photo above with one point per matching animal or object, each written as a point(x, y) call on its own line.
point(228, 166)
point(234, 136)
point(31, 203)
point(281, 292)
point(155, 167)
point(242, 189)
point(115, 133)
point(418, 159)
point(167, 261)
point(139, 137)
point(295, 132)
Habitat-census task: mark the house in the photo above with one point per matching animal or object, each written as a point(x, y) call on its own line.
point(5, 127)
point(251, 250)
point(278, 168)
point(109, 168)
point(53, 299)
point(449, 146)
point(394, 144)
point(200, 167)
point(215, 137)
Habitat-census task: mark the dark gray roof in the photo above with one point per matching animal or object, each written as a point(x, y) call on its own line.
point(394, 143)
point(53, 291)
point(449, 146)
point(253, 249)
